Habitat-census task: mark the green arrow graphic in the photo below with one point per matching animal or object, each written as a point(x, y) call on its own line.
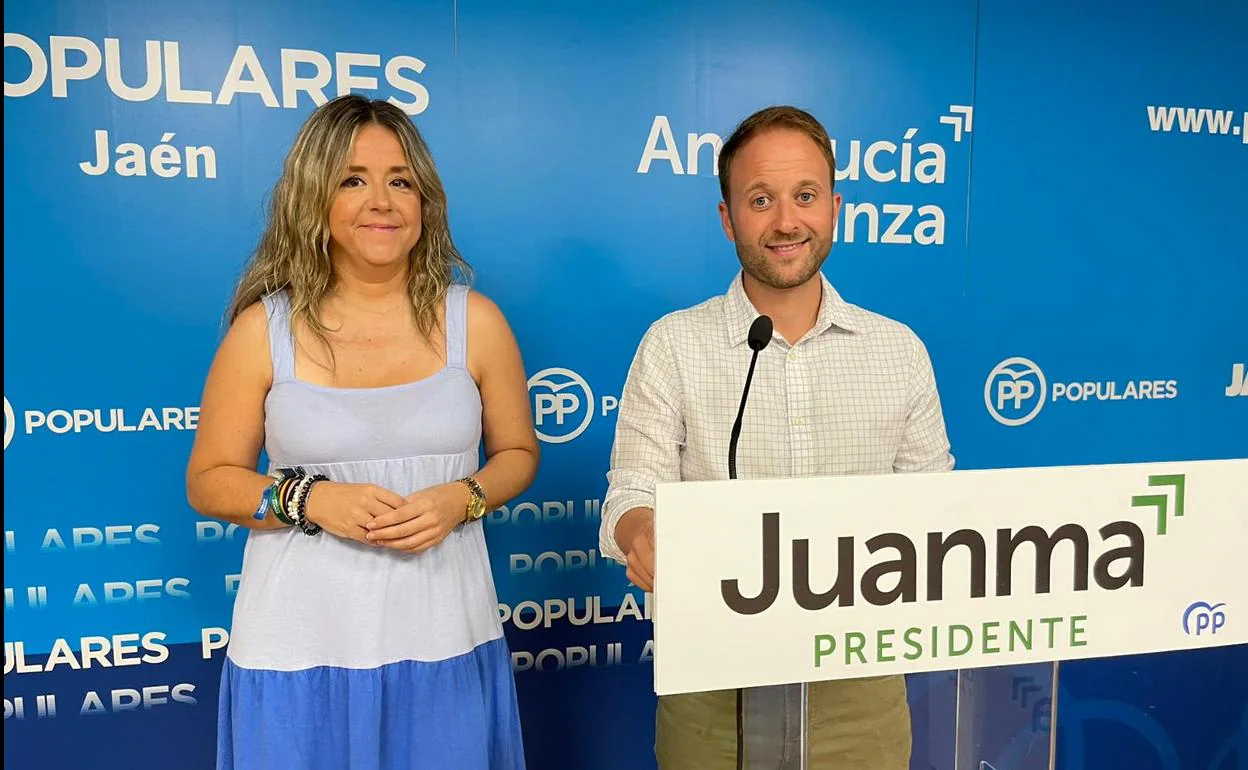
point(1161, 502)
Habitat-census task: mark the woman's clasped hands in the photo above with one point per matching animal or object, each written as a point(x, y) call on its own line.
point(377, 516)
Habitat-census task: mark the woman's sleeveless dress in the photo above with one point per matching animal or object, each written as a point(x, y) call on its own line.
point(345, 656)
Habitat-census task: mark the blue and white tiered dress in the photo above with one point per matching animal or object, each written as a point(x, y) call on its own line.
point(346, 656)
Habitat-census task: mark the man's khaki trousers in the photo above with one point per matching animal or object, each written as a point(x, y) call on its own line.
point(855, 724)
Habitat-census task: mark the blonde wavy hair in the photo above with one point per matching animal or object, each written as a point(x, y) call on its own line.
point(293, 251)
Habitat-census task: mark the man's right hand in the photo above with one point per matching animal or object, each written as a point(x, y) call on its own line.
point(635, 535)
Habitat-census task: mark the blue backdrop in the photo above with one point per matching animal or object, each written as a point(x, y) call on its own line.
point(1052, 193)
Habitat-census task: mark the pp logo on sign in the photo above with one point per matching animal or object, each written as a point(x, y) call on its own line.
point(1202, 617)
point(563, 404)
point(1015, 391)
point(10, 422)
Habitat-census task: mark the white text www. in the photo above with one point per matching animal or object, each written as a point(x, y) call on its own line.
point(1198, 120)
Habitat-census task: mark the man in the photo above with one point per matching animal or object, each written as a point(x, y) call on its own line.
point(839, 390)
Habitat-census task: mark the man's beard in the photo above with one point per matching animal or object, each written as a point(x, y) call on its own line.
point(755, 262)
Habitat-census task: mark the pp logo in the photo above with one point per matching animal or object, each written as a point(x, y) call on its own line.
point(563, 404)
point(1015, 391)
point(10, 422)
point(1202, 617)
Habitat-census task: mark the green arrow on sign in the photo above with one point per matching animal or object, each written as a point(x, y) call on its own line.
point(1161, 502)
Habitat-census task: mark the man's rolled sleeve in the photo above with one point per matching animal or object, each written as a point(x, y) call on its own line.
point(924, 442)
point(649, 432)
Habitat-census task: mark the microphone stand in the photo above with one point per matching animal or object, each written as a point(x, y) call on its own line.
point(759, 336)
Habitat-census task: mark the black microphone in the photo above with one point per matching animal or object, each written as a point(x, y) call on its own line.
point(760, 335)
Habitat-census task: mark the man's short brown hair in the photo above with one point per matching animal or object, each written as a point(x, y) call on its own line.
point(782, 116)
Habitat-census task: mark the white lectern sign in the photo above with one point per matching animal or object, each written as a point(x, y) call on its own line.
point(802, 580)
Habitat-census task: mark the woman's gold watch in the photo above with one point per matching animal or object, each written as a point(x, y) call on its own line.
point(476, 499)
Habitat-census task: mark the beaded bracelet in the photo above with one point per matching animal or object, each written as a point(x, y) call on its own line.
point(284, 493)
point(302, 489)
point(280, 506)
point(297, 499)
point(287, 496)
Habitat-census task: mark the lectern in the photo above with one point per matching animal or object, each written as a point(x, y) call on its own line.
point(973, 586)
point(994, 718)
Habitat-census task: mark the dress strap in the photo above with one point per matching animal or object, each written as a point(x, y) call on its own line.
point(457, 326)
point(281, 340)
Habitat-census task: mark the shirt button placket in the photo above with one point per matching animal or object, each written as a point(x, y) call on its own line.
point(799, 405)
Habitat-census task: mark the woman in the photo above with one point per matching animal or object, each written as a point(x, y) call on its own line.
point(365, 631)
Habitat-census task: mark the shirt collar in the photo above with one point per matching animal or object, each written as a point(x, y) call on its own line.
point(739, 312)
